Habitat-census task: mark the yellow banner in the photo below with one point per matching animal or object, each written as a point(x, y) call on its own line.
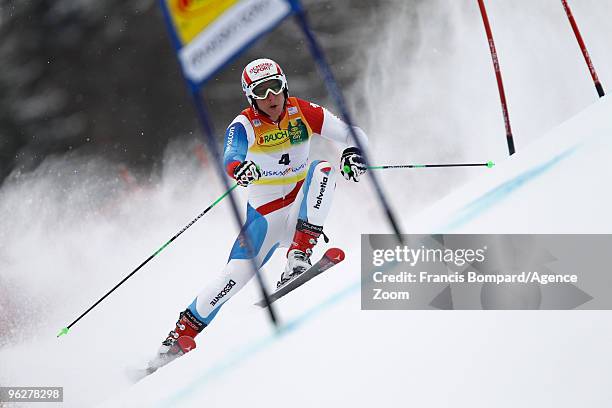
point(190, 17)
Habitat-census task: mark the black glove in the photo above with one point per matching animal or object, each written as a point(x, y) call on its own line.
point(246, 173)
point(352, 164)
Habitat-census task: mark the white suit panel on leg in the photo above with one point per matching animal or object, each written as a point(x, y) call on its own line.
point(321, 193)
point(238, 272)
point(317, 214)
point(234, 276)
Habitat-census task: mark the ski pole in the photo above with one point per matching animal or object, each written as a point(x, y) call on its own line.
point(419, 166)
point(65, 329)
point(488, 164)
point(583, 48)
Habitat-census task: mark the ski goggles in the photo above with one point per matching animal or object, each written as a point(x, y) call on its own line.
point(261, 90)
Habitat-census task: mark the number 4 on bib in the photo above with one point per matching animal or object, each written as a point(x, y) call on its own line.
point(331, 257)
point(284, 159)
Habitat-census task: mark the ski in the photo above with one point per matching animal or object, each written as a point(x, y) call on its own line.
point(331, 257)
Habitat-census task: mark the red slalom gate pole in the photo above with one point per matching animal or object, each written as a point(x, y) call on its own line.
point(583, 48)
point(500, 83)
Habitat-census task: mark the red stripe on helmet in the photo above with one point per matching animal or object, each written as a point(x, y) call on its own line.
point(246, 77)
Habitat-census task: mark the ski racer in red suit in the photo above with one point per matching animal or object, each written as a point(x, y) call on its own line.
point(267, 150)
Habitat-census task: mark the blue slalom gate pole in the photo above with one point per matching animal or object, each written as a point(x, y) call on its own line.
point(209, 136)
point(334, 90)
point(212, 147)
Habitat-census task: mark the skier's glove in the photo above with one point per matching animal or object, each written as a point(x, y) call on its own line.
point(246, 173)
point(352, 164)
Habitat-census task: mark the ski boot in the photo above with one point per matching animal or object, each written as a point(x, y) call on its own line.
point(179, 341)
point(298, 255)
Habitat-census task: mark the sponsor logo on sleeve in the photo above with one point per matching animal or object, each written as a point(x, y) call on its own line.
point(292, 110)
point(230, 137)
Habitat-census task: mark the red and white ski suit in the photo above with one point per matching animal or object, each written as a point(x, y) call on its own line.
point(290, 187)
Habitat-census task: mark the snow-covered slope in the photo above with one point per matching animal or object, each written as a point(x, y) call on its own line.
point(557, 185)
point(334, 354)
point(70, 231)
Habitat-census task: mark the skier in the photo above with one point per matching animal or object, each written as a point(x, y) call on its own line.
point(267, 149)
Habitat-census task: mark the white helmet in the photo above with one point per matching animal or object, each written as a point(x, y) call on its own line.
point(259, 71)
